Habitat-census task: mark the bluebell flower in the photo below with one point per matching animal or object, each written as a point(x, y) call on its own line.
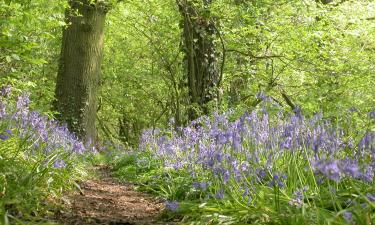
point(59, 163)
point(348, 216)
point(4, 137)
point(3, 111)
point(23, 101)
point(219, 194)
point(278, 180)
point(370, 197)
point(371, 114)
point(329, 168)
point(203, 186)
point(368, 142)
point(261, 96)
point(5, 91)
point(298, 197)
point(172, 206)
point(352, 110)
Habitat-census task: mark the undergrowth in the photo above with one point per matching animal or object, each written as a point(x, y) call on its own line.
point(266, 167)
point(39, 159)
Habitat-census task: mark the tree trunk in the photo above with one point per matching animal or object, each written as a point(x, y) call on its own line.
point(79, 67)
point(200, 56)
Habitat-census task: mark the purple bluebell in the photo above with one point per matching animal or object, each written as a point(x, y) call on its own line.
point(278, 180)
point(4, 137)
point(5, 91)
point(59, 163)
point(370, 197)
point(371, 114)
point(219, 194)
point(172, 206)
point(329, 168)
point(3, 111)
point(298, 197)
point(348, 216)
point(23, 101)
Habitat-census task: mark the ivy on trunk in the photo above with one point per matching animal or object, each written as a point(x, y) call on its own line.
point(79, 68)
point(200, 55)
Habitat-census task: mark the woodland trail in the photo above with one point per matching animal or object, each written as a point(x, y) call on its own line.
point(106, 201)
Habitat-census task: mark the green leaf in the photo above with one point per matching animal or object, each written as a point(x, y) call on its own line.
point(16, 57)
point(8, 59)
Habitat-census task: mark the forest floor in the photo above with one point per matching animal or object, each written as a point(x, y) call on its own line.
point(105, 201)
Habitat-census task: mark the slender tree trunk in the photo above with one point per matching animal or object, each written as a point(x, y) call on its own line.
point(79, 68)
point(200, 56)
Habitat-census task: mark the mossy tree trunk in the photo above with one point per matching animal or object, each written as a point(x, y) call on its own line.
point(200, 55)
point(79, 67)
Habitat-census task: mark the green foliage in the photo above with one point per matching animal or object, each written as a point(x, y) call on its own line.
point(29, 183)
point(141, 70)
point(30, 36)
point(319, 55)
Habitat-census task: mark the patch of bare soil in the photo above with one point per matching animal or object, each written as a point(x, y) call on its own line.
point(105, 201)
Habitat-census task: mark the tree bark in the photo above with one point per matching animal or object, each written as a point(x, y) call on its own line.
point(200, 56)
point(79, 67)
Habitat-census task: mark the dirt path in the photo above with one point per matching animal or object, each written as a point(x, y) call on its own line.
point(105, 201)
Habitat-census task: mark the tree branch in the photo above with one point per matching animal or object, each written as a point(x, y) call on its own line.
point(251, 55)
point(288, 100)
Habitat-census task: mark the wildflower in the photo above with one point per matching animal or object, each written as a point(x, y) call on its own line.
point(78, 147)
point(219, 194)
point(23, 101)
point(348, 216)
point(3, 112)
point(277, 180)
point(350, 168)
point(368, 142)
point(298, 196)
point(368, 174)
point(261, 96)
point(226, 176)
point(329, 168)
point(352, 110)
point(196, 185)
point(287, 144)
point(59, 163)
point(261, 174)
point(172, 205)
point(244, 166)
point(200, 185)
point(246, 192)
point(4, 91)
point(371, 114)
point(296, 202)
point(4, 137)
point(370, 197)
point(203, 186)
point(297, 110)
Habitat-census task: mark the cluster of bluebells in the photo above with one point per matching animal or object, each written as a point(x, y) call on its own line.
point(249, 151)
point(298, 197)
point(44, 134)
